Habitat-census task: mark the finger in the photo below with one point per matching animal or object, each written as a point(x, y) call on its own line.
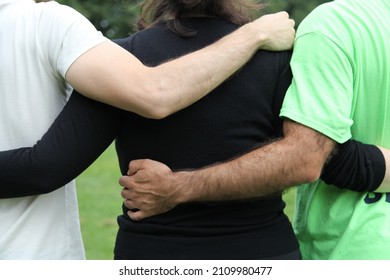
point(135, 166)
point(126, 194)
point(125, 182)
point(292, 22)
point(283, 14)
point(137, 215)
point(131, 205)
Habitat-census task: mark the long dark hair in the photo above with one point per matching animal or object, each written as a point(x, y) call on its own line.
point(172, 11)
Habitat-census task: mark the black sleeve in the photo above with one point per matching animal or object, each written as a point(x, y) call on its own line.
point(355, 166)
point(82, 131)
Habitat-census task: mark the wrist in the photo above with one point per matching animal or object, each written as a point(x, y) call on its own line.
point(252, 33)
point(183, 182)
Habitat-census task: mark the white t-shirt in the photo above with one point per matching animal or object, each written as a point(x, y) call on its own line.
point(38, 43)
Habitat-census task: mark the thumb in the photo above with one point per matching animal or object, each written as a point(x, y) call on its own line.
point(136, 215)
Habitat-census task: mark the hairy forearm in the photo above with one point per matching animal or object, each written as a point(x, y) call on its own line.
point(297, 158)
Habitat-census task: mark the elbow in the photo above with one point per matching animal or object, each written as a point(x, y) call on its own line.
point(311, 172)
point(313, 175)
point(156, 98)
point(156, 105)
point(156, 112)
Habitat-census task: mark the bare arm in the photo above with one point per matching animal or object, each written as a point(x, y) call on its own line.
point(110, 74)
point(295, 159)
point(298, 158)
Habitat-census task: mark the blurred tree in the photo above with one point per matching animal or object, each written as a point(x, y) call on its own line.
point(115, 18)
point(298, 9)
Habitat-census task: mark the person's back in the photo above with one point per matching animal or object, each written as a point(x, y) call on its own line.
point(352, 71)
point(32, 93)
point(236, 117)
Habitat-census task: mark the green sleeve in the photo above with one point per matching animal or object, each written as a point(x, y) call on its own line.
point(320, 95)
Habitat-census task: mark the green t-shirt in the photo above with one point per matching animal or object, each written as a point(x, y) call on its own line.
point(341, 87)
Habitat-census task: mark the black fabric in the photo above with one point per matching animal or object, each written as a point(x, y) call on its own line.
point(270, 240)
point(355, 166)
point(236, 117)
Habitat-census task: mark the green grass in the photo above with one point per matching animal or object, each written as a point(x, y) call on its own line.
point(289, 198)
point(100, 203)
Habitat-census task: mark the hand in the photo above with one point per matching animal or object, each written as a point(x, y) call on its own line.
point(277, 31)
point(148, 189)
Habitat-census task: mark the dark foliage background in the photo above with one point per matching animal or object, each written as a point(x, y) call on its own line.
point(115, 18)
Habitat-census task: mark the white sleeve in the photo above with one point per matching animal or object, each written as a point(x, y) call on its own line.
point(66, 35)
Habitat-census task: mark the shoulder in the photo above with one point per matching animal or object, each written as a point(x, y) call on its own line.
point(53, 6)
point(62, 15)
point(331, 24)
point(62, 23)
point(321, 19)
